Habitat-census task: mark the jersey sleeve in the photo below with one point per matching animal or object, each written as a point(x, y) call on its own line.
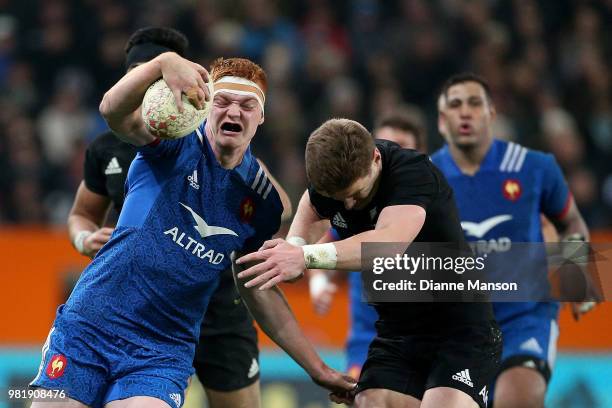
point(412, 183)
point(323, 206)
point(555, 192)
point(93, 175)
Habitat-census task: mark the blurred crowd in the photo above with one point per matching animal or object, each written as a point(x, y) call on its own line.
point(548, 62)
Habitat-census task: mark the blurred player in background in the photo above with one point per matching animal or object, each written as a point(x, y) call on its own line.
point(501, 188)
point(126, 337)
point(227, 356)
point(384, 193)
point(402, 127)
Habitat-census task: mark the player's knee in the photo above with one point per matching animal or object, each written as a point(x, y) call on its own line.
point(520, 387)
point(370, 399)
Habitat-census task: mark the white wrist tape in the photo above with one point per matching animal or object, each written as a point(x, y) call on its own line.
point(297, 241)
point(317, 284)
point(320, 256)
point(80, 239)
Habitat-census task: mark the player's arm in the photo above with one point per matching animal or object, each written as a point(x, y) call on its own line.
point(85, 221)
point(284, 197)
point(571, 224)
point(281, 261)
point(307, 226)
point(120, 106)
point(322, 282)
point(272, 312)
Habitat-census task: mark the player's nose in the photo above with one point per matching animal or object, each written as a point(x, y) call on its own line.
point(233, 109)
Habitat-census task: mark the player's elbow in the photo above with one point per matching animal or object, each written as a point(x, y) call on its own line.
point(105, 107)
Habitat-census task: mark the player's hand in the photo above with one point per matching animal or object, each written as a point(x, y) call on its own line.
point(185, 77)
point(279, 262)
point(342, 386)
point(95, 241)
point(322, 290)
point(580, 308)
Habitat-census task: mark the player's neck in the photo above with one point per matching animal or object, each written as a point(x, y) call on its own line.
point(469, 158)
point(228, 158)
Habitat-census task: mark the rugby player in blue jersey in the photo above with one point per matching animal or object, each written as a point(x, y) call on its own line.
point(501, 188)
point(126, 336)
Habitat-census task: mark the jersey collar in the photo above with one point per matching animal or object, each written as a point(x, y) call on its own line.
point(490, 161)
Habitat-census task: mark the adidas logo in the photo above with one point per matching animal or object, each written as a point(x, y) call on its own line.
point(464, 377)
point(113, 167)
point(254, 369)
point(532, 345)
point(193, 180)
point(339, 221)
point(176, 398)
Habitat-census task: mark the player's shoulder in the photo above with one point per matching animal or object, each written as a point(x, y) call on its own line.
point(397, 159)
point(108, 142)
point(514, 157)
point(257, 178)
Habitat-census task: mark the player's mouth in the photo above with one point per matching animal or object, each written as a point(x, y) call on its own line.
point(231, 128)
point(465, 129)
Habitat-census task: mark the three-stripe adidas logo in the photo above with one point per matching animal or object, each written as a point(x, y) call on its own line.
point(113, 167)
point(193, 180)
point(464, 377)
point(339, 221)
point(261, 184)
point(513, 158)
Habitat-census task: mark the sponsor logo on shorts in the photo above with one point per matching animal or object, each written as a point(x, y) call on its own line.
point(176, 398)
point(485, 395)
point(56, 366)
point(254, 369)
point(464, 377)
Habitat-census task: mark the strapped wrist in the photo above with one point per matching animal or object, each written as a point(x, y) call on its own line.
point(79, 240)
point(297, 241)
point(320, 256)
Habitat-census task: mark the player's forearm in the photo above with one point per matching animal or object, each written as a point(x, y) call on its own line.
point(307, 224)
point(573, 224)
point(78, 223)
point(120, 106)
point(126, 95)
point(273, 314)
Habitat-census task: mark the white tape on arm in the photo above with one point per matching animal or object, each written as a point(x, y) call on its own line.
point(79, 239)
point(320, 256)
point(297, 241)
point(317, 284)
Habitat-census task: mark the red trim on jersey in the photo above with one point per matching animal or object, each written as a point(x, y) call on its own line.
point(566, 207)
point(155, 142)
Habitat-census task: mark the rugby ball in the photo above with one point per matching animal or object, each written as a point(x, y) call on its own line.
point(161, 116)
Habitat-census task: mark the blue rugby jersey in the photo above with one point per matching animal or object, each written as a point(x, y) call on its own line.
point(502, 202)
point(183, 216)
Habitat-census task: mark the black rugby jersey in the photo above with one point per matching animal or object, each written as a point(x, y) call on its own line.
point(107, 161)
point(409, 178)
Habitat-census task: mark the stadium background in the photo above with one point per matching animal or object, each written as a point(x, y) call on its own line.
point(549, 64)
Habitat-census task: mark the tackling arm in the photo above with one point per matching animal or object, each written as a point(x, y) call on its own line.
point(272, 312)
point(85, 220)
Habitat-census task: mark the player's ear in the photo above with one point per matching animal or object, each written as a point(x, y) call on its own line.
point(262, 118)
point(492, 110)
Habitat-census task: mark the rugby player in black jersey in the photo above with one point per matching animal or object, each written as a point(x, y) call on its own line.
point(227, 356)
point(425, 354)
